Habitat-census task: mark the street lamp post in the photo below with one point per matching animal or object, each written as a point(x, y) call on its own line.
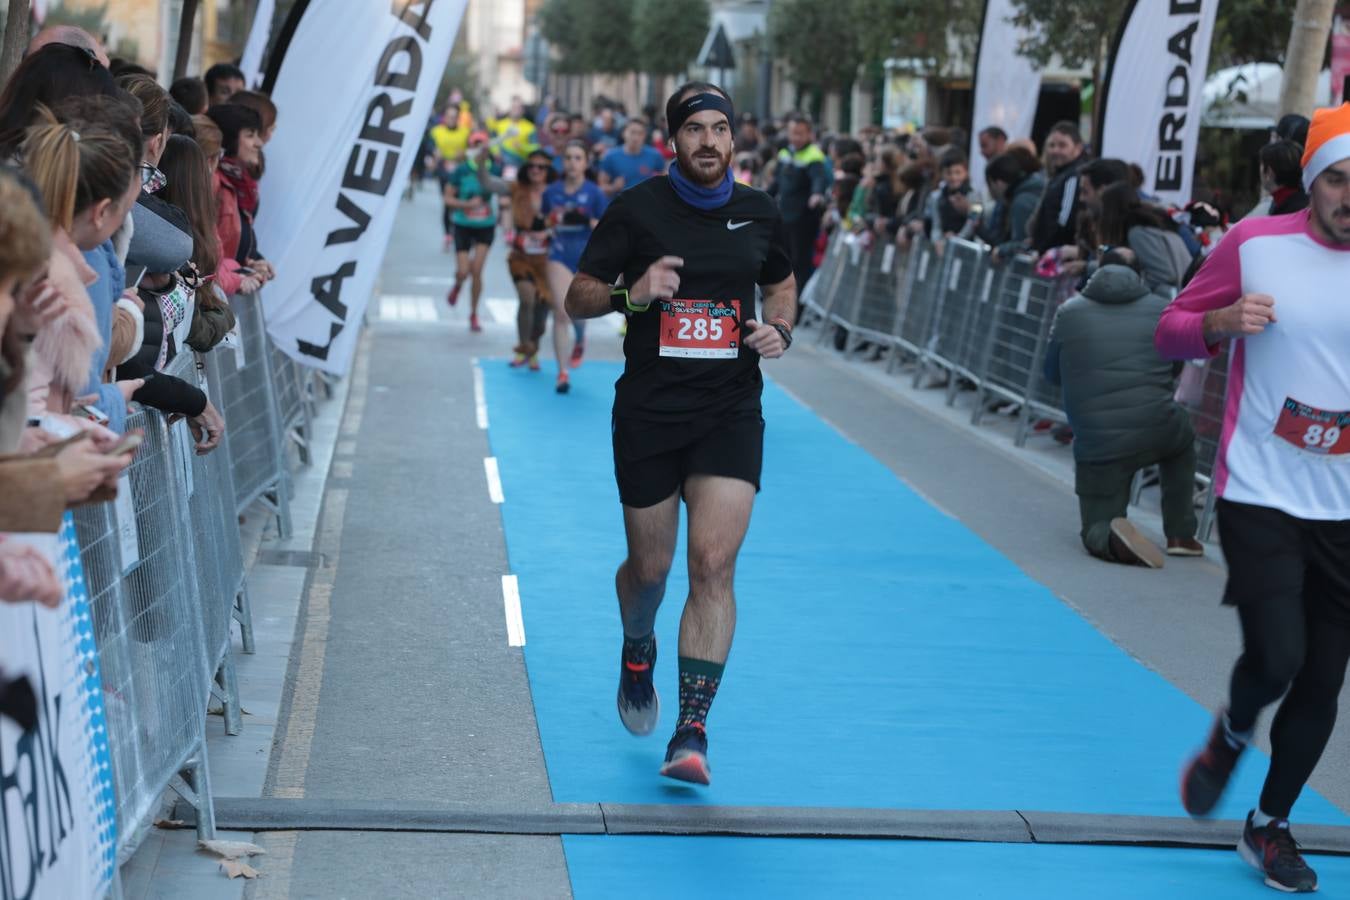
point(766, 69)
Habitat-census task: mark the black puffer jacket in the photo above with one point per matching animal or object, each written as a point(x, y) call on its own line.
point(1056, 220)
point(1118, 392)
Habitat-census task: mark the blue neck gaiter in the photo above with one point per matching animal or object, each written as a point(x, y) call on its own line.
point(697, 196)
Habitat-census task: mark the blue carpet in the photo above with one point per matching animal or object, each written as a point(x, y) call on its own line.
point(782, 868)
point(885, 657)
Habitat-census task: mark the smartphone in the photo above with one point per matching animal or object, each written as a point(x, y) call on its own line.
point(128, 443)
point(245, 270)
point(90, 412)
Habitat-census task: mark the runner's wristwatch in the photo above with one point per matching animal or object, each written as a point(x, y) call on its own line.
point(620, 302)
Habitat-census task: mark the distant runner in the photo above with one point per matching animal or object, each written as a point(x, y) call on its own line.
point(572, 206)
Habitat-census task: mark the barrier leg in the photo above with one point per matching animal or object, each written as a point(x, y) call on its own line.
point(953, 386)
point(278, 501)
point(225, 688)
point(243, 614)
point(1137, 486)
point(326, 383)
point(1023, 425)
point(1207, 517)
point(193, 784)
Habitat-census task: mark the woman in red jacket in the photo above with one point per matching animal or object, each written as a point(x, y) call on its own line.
point(237, 193)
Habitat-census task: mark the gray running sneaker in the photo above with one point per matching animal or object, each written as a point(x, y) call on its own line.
point(639, 706)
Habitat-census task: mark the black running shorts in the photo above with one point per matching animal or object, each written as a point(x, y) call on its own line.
point(1274, 557)
point(468, 235)
point(652, 459)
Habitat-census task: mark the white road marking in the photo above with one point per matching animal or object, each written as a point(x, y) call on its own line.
point(500, 309)
point(494, 479)
point(479, 397)
point(515, 622)
point(407, 308)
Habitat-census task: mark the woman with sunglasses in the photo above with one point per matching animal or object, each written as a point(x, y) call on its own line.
point(528, 260)
point(572, 206)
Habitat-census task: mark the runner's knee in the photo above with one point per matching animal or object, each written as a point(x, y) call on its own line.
point(1277, 662)
point(648, 571)
point(711, 565)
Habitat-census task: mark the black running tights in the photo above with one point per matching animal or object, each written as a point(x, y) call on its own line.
point(1309, 658)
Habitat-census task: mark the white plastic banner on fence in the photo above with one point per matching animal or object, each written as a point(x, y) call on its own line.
point(58, 821)
point(383, 61)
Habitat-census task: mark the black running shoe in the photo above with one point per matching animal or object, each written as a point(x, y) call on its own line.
point(639, 706)
point(1206, 775)
point(1272, 850)
point(687, 756)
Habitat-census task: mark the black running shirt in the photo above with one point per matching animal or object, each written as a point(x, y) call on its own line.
point(685, 357)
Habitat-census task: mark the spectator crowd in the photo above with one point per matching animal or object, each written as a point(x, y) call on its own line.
point(126, 221)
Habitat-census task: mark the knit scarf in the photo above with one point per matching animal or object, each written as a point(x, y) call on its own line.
point(697, 196)
point(245, 185)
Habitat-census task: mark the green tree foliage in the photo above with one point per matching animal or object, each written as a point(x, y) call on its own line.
point(819, 39)
point(1251, 31)
point(560, 22)
point(668, 35)
point(1078, 31)
point(590, 35)
point(918, 30)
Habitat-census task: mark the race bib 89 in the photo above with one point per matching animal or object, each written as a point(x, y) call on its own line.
point(1314, 430)
point(700, 329)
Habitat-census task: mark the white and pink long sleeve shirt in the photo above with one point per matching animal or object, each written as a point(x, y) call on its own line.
point(1286, 429)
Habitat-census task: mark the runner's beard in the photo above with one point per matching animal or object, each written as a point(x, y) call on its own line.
point(700, 176)
point(1337, 225)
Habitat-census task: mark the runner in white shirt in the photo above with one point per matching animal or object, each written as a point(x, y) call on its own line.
point(1276, 287)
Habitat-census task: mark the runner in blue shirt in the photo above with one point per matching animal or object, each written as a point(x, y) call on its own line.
point(572, 205)
point(631, 163)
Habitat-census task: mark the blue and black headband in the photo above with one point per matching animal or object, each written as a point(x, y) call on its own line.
point(699, 103)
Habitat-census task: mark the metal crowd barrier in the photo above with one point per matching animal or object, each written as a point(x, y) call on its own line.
point(139, 561)
point(1202, 389)
point(950, 313)
point(257, 445)
point(165, 569)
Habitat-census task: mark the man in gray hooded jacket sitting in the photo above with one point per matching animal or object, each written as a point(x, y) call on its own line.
point(1118, 394)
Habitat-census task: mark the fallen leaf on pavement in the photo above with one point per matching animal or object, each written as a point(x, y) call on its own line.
point(231, 849)
point(234, 868)
point(170, 823)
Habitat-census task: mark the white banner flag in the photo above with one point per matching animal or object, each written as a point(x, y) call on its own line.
point(1007, 84)
point(58, 818)
point(1151, 113)
point(258, 35)
point(354, 92)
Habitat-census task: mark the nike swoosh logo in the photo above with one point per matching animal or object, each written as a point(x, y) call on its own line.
point(732, 226)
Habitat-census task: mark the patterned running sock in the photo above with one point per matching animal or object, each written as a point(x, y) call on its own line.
point(640, 652)
point(698, 685)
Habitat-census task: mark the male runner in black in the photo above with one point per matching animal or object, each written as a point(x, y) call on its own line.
point(690, 246)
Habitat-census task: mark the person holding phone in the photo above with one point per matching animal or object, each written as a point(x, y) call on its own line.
point(682, 256)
